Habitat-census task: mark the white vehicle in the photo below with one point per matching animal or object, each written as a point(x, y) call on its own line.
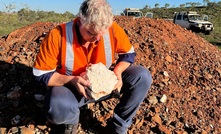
point(133, 12)
point(193, 21)
point(149, 15)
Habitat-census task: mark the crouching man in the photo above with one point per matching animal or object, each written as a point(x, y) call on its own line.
point(67, 50)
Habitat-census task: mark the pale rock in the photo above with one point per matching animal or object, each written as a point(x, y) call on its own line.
point(163, 98)
point(102, 80)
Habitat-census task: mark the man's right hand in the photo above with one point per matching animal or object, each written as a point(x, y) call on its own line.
point(77, 82)
point(80, 83)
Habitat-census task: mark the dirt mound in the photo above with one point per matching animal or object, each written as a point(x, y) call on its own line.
point(185, 96)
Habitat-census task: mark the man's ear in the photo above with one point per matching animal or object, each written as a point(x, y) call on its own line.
point(79, 22)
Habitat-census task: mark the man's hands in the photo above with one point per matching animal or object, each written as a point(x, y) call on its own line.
point(77, 82)
point(119, 83)
point(80, 84)
point(118, 70)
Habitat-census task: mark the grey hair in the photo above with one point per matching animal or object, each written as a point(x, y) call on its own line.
point(97, 13)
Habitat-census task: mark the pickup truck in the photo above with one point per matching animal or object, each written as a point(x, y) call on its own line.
point(193, 21)
point(133, 12)
point(136, 13)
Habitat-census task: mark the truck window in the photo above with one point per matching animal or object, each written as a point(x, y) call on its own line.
point(136, 14)
point(179, 17)
point(130, 14)
point(185, 17)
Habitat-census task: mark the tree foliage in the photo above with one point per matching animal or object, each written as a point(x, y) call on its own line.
point(11, 20)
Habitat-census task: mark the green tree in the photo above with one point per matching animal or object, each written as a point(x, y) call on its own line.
point(41, 15)
point(198, 4)
point(193, 4)
point(167, 5)
point(8, 8)
point(157, 5)
point(206, 2)
point(68, 14)
point(23, 13)
point(188, 3)
point(182, 5)
point(211, 4)
point(146, 7)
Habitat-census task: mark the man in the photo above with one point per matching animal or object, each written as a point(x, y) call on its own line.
point(65, 53)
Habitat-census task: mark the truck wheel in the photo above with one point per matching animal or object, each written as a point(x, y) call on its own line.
point(207, 32)
point(193, 29)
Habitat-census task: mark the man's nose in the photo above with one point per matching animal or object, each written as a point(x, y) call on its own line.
point(97, 37)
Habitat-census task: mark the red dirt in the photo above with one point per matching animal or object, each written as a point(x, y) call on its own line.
point(184, 97)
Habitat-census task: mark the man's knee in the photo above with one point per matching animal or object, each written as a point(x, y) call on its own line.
point(64, 114)
point(141, 76)
point(62, 106)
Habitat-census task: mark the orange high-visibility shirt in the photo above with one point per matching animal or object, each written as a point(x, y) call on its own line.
point(61, 51)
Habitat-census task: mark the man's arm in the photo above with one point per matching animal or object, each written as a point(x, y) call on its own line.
point(118, 70)
point(72, 82)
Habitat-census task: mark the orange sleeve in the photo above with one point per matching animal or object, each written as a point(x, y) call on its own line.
point(121, 39)
point(48, 56)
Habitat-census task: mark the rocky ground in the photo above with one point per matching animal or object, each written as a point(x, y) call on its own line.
point(185, 96)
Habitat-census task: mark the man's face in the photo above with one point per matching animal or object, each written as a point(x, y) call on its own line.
point(88, 33)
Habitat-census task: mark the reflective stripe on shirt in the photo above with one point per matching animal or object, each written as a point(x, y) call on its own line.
point(69, 57)
point(69, 60)
point(38, 72)
point(108, 50)
point(130, 51)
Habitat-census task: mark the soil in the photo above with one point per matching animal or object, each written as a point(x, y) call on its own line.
point(185, 96)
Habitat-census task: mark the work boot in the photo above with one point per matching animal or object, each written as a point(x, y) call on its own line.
point(110, 128)
point(71, 129)
point(62, 129)
point(57, 129)
point(104, 130)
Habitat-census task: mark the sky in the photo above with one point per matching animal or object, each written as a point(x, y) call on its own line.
point(61, 6)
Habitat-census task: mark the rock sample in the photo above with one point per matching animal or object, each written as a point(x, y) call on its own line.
point(102, 80)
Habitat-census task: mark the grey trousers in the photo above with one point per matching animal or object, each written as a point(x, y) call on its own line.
point(62, 104)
